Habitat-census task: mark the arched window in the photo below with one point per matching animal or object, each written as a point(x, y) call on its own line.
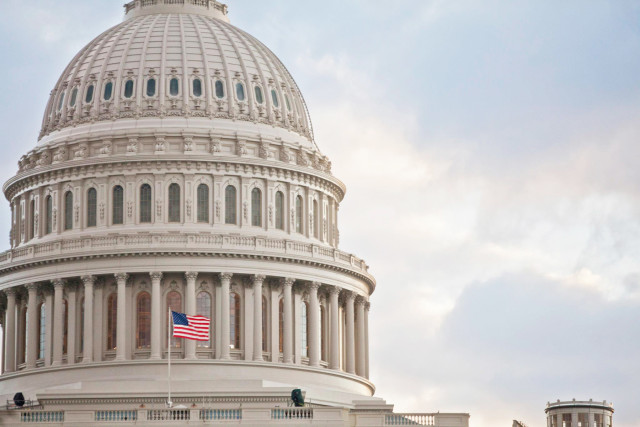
point(42, 325)
point(299, 228)
point(230, 205)
point(234, 320)
point(81, 347)
point(203, 308)
point(265, 325)
point(256, 207)
point(281, 325)
point(174, 302)
point(274, 97)
point(143, 320)
point(280, 210)
point(65, 327)
point(316, 221)
point(92, 207)
point(32, 218)
point(197, 88)
point(145, 203)
point(68, 210)
point(219, 89)
point(89, 97)
point(108, 91)
point(174, 203)
point(112, 321)
point(151, 87)
point(174, 87)
point(240, 91)
point(203, 203)
point(286, 100)
point(74, 96)
point(118, 205)
point(259, 97)
point(61, 101)
point(305, 329)
point(128, 89)
point(48, 201)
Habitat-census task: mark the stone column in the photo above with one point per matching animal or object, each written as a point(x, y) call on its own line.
point(287, 335)
point(190, 308)
point(48, 344)
point(10, 332)
point(361, 344)
point(350, 333)
point(121, 327)
point(247, 322)
point(32, 334)
point(156, 315)
point(334, 330)
point(574, 419)
point(592, 419)
point(87, 343)
point(257, 317)
point(58, 321)
point(225, 284)
point(71, 328)
point(98, 319)
point(314, 325)
point(367, 306)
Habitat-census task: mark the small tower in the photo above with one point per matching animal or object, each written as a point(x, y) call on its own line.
point(577, 413)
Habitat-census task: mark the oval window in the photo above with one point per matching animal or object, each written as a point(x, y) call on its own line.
point(89, 96)
point(128, 89)
point(151, 87)
point(174, 88)
point(259, 97)
point(274, 96)
point(108, 91)
point(197, 88)
point(61, 101)
point(240, 91)
point(286, 100)
point(219, 89)
point(74, 95)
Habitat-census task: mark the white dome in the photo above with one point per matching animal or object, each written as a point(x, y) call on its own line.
point(177, 61)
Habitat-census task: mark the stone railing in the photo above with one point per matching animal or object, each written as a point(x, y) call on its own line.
point(292, 414)
point(120, 416)
point(184, 242)
point(220, 414)
point(42, 417)
point(209, 4)
point(410, 419)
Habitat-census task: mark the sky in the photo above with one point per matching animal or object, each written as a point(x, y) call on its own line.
point(491, 154)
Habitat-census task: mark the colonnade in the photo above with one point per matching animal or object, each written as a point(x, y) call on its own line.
point(336, 320)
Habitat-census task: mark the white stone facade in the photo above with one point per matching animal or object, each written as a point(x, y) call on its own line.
point(203, 191)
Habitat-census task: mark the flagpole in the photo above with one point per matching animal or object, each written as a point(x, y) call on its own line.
point(170, 320)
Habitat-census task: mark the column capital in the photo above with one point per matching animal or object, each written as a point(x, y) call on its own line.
point(367, 305)
point(88, 279)
point(72, 286)
point(191, 275)
point(348, 296)
point(9, 291)
point(33, 286)
point(258, 278)
point(226, 276)
point(58, 283)
point(121, 277)
point(314, 286)
point(156, 275)
point(334, 290)
point(360, 301)
point(287, 281)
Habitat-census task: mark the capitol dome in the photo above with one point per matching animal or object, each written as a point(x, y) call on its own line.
point(177, 171)
point(193, 68)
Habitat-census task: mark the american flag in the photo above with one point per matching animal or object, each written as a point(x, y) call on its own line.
point(190, 327)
